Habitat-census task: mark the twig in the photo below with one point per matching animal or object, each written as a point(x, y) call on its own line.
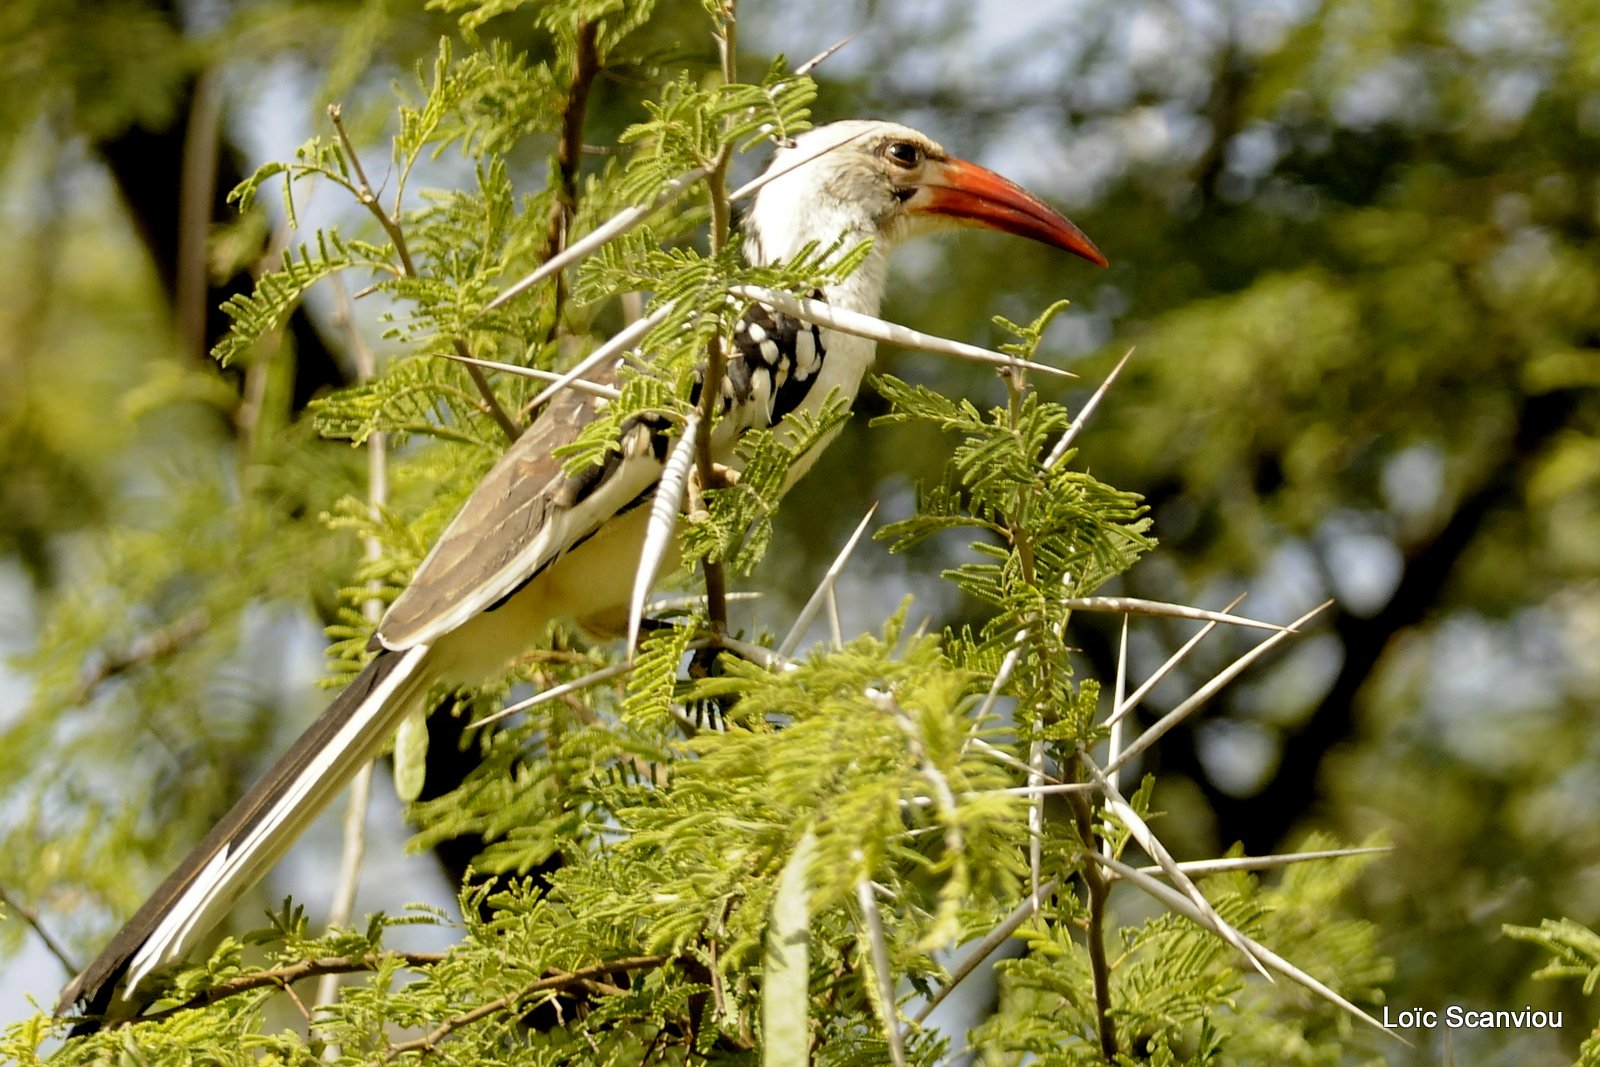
point(143, 651)
point(31, 917)
point(282, 977)
point(716, 578)
point(391, 226)
point(353, 853)
point(585, 66)
point(196, 195)
point(556, 980)
point(1095, 883)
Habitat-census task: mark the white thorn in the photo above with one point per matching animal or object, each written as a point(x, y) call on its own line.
point(663, 523)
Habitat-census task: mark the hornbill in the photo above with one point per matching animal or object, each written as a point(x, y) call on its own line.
point(533, 544)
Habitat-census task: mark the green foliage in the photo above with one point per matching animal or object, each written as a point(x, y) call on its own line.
point(1575, 953)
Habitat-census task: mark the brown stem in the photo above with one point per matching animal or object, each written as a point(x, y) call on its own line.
point(391, 226)
point(31, 917)
point(585, 67)
point(556, 980)
point(1094, 880)
point(283, 977)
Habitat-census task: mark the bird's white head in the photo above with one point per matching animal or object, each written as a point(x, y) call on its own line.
point(856, 180)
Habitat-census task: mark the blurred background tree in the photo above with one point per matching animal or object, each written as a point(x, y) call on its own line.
point(1356, 245)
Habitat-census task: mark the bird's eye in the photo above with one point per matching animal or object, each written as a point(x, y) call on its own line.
point(904, 154)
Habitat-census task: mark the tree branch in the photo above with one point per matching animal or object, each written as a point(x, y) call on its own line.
point(283, 977)
point(569, 149)
point(31, 917)
point(582, 978)
point(391, 226)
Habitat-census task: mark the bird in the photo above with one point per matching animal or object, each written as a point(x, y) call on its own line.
point(533, 543)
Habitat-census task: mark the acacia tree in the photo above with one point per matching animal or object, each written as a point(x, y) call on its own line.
point(790, 884)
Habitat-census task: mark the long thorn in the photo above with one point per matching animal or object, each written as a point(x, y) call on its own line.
point(853, 322)
point(662, 524)
point(1128, 605)
point(985, 948)
point(610, 230)
point(1060, 450)
point(1124, 707)
point(1177, 902)
point(578, 384)
point(1266, 863)
point(1207, 691)
point(884, 980)
point(811, 64)
point(1140, 831)
point(624, 339)
point(803, 620)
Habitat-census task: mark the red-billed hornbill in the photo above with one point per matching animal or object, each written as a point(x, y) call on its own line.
point(533, 544)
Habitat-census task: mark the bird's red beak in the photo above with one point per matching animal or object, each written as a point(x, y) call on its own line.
point(956, 189)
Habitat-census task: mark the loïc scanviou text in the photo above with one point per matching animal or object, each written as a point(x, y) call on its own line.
point(1457, 1017)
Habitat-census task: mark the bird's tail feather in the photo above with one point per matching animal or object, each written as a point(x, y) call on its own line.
point(253, 835)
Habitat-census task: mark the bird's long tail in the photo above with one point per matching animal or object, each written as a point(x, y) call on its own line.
point(238, 852)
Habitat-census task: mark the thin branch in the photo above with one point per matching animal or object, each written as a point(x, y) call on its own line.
point(282, 977)
point(391, 226)
point(31, 917)
point(569, 148)
point(555, 981)
point(196, 195)
point(143, 651)
point(716, 579)
point(1098, 892)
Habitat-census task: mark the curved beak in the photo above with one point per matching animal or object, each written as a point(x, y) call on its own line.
point(970, 194)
